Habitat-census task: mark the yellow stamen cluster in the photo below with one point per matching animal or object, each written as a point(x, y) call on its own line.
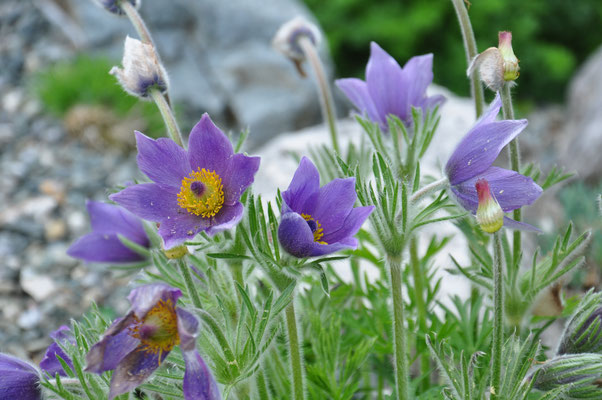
point(210, 201)
point(162, 322)
point(319, 232)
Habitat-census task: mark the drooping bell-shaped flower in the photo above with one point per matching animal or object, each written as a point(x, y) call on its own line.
point(193, 190)
point(319, 220)
point(134, 346)
point(390, 89)
point(473, 158)
point(286, 40)
point(102, 245)
point(18, 379)
point(489, 213)
point(50, 364)
point(497, 65)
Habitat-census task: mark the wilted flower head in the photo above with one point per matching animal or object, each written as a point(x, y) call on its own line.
point(142, 70)
point(473, 158)
point(114, 6)
point(319, 220)
point(134, 346)
point(286, 40)
point(390, 89)
point(18, 379)
point(102, 244)
point(497, 65)
point(50, 363)
point(192, 191)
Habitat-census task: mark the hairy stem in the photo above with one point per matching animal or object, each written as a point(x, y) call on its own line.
point(168, 117)
point(295, 353)
point(137, 21)
point(402, 381)
point(428, 189)
point(425, 366)
point(262, 386)
point(498, 319)
point(326, 102)
point(470, 46)
point(190, 288)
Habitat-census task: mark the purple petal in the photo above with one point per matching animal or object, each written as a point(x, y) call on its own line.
point(144, 298)
point(114, 345)
point(51, 365)
point(356, 91)
point(177, 229)
point(199, 383)
point(18, 379)
point(295, 235)
point(492, 111)
point(149, 201)
point(387, 84)
point(62, 333)
point(351, 225)
point(511, 189)
point(429, 103)
point(209, 148)
point(188, 327)
point(239, 178)
point(110, 219)
point(227, 218)
point(102, 248)
point(521, 226)
point(304, 186)
point(134, 369)
point(419, 73)
point(333, 204)
point(162, 160)
point(480, 147)
point(324, 249)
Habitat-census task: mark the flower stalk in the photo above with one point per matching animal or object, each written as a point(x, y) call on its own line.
point(421, 308)
point(295, 353)
point(168, 117)
point(137, 22)
point(190, 288)
point(498, 320)
point(428, 189)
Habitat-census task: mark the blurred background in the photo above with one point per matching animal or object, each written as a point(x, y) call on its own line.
point(66, 126)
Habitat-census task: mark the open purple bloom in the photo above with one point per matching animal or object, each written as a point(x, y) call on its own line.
point(50, 364)
point(473, 158)
point(192, 191)
point(319, 220)
point(108, 221)
point(390, 89)
point(18, 379)
point(134, 346)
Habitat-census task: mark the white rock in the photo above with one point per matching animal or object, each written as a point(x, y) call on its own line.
point(30, 318)
point(39, 287)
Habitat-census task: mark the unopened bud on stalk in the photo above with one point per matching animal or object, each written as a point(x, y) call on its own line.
point(142, 70)
point(286, 40)
point(114, 6)
point(497, 65)
point(489, 213)
point(583, 331)
point(581, 371)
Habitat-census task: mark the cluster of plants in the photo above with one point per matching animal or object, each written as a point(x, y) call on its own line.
point(237, 296)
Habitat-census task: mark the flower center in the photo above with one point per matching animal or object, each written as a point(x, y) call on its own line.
point(202, 193)
point(158, 330)
point(315, 227)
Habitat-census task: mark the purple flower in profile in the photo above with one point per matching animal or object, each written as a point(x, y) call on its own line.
point(390, 89)
point(192, 191)
point(473, 158)
point(50, 363)
point(319, 220)
point(108, 221)
point(134, 346)
point(18, 379)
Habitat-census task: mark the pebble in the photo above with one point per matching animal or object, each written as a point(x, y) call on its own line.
point(39, 287)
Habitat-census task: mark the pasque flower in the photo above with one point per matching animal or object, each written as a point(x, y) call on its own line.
point(319, 220)
point(192, 191)
point(390, 89)
point(102, 244)
point(114, 6)
point(18, 379)
point(497, 65)
point(473, 158)
point(50, 363)
point(134, 346)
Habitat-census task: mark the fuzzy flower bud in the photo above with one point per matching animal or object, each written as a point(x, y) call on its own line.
point(286, 40)
point(497, 65)
point(142, 69)
point(581, 371)
point(489, 213)
point(583, 331)
point(114, 6)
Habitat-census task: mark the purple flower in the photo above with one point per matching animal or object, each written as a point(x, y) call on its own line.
point(317, 221)
point(18, 379)
point(390, 89)
point(192, 191)
point(134, 346)
point(50, 364)
point(102, 244)
point(473, 158)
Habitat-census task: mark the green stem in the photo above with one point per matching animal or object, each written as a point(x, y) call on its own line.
point(262, 386)
point(425, 362)
point(190, 288)
point(402, 381)
point(137, 21)
point(498, 319)
point(470, 46)
point(326, 102)
point(295, 352)
point(514, 153)
point(170, 120)
point(428, 189)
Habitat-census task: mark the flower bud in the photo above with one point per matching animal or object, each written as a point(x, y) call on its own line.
point(496, 65)
point(142, 69)
point(114, 6)
point(286, 40)
point(489, 213)
point(581, 371)
point(176, 252)
point(583, 331)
